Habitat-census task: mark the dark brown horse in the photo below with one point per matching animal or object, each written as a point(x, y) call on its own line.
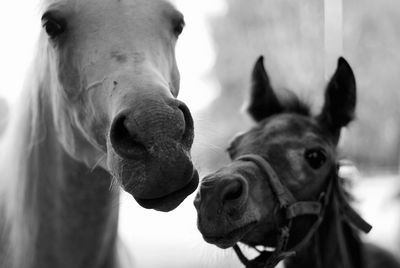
point(282, 189)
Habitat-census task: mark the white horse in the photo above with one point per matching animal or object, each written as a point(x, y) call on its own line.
point(99, 107)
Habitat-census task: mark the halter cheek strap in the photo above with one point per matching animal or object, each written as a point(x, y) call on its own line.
point(285, 198)
point(292, 209)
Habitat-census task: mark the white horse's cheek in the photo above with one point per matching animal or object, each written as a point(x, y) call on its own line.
point(93, 123)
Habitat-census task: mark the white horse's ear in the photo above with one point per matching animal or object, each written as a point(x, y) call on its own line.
point(263, 100)
point(340, 99)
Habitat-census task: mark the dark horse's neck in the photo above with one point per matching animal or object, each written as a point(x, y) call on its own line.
point(335, 244)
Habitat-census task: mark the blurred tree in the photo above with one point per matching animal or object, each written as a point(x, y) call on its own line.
point(290, 34)
point(4, 115)
point(372, 39)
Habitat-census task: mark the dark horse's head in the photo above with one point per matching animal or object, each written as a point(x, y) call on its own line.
point(237, 202)
point(114, 83)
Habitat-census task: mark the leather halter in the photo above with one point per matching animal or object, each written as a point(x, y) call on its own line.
point(291, 209)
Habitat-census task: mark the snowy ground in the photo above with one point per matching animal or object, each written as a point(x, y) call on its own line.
point(172, 240)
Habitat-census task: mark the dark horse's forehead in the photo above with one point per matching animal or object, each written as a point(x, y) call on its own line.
point(282, 129)
point(290, 125)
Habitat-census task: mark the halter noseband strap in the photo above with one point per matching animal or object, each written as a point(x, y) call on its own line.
point(293, 208)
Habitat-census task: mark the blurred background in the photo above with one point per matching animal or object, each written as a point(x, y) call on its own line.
point(300, 41)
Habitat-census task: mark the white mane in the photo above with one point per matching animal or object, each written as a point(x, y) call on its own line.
point(18, 179)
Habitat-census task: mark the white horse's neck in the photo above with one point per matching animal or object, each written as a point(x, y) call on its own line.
point(79, 213)
point(59, 213)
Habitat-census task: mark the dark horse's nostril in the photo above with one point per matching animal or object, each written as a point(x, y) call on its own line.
point(124, 141)
point(232, 191)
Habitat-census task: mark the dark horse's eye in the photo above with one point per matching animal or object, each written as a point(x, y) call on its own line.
point(316, 158)
point(53, 25)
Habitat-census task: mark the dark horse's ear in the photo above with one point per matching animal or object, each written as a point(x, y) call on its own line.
point(340, 99)
point(263, 101)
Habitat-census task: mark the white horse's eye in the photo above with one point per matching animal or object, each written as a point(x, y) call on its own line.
point(52, 25)
point(178, 28)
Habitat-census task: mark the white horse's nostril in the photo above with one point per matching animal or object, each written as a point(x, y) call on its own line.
point(188, 134)
point(124, 141)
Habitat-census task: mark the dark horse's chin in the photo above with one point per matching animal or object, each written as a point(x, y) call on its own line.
point(229, 239)
point(172, 200)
